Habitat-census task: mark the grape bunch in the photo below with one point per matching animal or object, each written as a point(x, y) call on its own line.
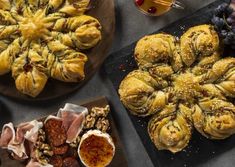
point(224, 21)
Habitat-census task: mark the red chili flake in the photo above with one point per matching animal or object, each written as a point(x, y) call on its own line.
point(205, 93)
point(152, 10)
point(139, 2)
point(122, 67)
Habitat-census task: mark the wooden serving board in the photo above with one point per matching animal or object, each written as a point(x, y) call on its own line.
point(200, 152)
point(119, 159)
point(103, 10)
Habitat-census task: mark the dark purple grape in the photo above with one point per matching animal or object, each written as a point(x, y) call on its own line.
point(229, 10)
point(217, 12)
point(233, 25)
point(218, 22)
point(223, 33)
point(220, 9)
point(224, 22)
point(223, 7)
point(231, 35)
point(232, 15)
point(226, 41)
point(215, 20)
point(229, 20)
point(229, 39)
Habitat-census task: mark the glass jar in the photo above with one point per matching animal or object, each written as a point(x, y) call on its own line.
point(157, 7)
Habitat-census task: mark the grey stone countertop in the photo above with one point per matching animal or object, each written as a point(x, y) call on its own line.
point(130, 26)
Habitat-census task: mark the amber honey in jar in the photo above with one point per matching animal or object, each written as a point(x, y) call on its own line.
point(157, 7)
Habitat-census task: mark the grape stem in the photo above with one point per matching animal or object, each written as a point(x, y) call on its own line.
point(228, 26)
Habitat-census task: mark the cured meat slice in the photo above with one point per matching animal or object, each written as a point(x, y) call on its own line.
point(60, 150)
point(56, 161)
point(56, 134)
point(14, 140)
point(73, 117)
point(72, 152)
point(7, 135)
point(70, 162)
point(28, 130)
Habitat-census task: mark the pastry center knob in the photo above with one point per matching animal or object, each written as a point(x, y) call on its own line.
point(186, 86)
point(33, 27)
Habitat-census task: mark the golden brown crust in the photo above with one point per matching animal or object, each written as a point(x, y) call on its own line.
point(170, 129)
point(137, 92)
point(158, 48)
point(68, 65)
point(214, 118)
point(198, 42)
point(28, 70)
point(222, 75)
point(83, 32)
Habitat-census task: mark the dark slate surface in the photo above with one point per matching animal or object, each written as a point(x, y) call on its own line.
point(200, 152)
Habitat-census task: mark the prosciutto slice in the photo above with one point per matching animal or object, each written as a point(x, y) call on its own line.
point(29, 131)
point(14, 140)
point(8, 133)
point(73, 117)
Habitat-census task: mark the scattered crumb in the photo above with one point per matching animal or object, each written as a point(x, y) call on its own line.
point(182, 27)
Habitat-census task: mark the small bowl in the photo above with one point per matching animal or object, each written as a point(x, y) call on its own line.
point(150, 8)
